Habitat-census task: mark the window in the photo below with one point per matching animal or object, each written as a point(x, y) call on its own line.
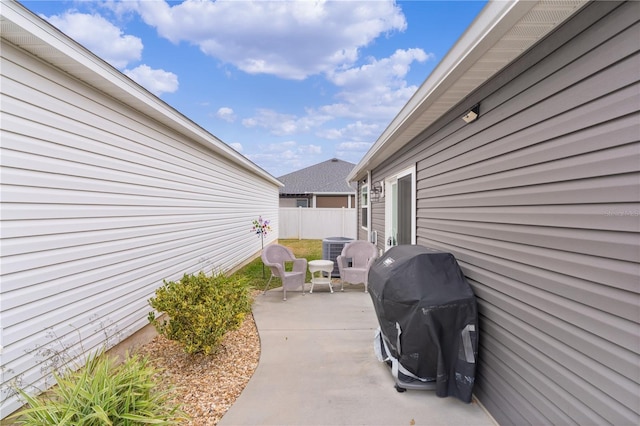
point(364, 206)
point(302, 202)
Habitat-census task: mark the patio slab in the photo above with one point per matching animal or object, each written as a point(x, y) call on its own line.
point(317, 367)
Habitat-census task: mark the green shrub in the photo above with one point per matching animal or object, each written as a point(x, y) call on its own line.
point(102, 393)
point(201, 309)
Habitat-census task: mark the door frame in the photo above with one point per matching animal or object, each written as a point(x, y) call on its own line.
point(389, 200)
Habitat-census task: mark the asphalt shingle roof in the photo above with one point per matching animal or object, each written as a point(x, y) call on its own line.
point(326, 177)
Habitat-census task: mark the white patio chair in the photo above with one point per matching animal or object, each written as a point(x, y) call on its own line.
point(274, 257)
point(354, 262)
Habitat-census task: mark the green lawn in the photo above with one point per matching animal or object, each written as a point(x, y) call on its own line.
point(309, 249)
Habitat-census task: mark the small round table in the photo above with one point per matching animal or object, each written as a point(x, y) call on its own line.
point(320, 267)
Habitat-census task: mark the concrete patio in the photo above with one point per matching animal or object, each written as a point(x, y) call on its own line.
point(317, 367)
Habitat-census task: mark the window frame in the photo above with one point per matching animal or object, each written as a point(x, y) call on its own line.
point(364, 206)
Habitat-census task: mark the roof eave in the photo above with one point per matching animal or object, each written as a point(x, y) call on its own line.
point(465, 61)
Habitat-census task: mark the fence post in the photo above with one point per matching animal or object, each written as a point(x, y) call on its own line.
point(299, 222)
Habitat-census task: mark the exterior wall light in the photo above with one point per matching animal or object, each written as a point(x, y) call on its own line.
point(472, 114)
point(377, 191)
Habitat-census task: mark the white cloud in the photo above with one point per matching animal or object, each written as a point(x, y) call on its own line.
point(311, 149)
point(281, 147)
point(226, 114)
point(372, 94)
point(352, 151)
point(331, 134)
point(250, 122)
point(289, 39)
point(284, 124)
point(354, 146)
point(391, 70)
point(357, 130)
point(100, 36)
point(237, 146)
point(283, 157)
point(156, 81)
point(376, 90)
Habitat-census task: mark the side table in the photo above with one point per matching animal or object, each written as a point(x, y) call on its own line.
point(320, 267)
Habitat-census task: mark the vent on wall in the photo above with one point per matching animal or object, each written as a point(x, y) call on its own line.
point(331, 249)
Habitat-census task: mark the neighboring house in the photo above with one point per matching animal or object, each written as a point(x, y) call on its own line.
point(106, 192)
point(538, 198)
point(321, 185)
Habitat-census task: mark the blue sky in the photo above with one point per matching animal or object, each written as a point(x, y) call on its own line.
point(287, 84)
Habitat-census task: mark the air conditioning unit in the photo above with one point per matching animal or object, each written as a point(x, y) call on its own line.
point(331, 249)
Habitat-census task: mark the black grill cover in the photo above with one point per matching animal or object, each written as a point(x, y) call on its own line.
point(424, 292)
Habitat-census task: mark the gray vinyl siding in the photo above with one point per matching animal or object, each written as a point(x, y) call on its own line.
point(539, 201)
point(377, 222)
point(100, 204)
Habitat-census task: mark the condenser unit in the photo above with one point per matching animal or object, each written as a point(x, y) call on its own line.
point(331, 249)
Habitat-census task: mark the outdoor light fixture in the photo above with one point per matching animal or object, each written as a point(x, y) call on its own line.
point(377, 191)
point(472, 114)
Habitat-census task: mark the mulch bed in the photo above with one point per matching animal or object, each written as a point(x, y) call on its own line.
point(206, 386)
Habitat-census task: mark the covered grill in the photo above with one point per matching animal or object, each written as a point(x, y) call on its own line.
point(428, 320)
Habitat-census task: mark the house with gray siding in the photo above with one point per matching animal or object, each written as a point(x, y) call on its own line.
point(322, 185)
point(520, 155)
point(106, 191)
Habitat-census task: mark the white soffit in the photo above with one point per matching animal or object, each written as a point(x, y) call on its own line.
point(502, 31)
point(25, 30)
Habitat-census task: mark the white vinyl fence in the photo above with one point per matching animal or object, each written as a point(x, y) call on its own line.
point(317, 223)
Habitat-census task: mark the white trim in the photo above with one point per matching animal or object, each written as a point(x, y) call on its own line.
point(388, 207)
point(464, 63)
point(368, 205)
